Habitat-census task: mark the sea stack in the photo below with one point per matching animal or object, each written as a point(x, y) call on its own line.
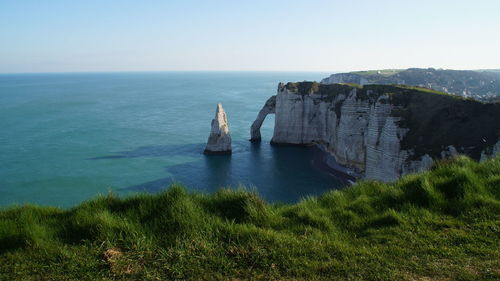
point(219, 141)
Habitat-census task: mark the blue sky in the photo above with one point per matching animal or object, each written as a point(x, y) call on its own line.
point(314, 35)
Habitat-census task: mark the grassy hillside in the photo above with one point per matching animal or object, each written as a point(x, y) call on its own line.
point(443, 224)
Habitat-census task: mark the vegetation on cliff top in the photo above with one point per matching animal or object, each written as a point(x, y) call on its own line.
point(438, 225)
point(309, 87)
point(480, 84)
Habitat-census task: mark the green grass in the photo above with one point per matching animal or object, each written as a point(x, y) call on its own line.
point(427, 90)
point(443, 224)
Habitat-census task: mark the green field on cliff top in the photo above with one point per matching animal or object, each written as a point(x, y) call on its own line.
point(443, 224)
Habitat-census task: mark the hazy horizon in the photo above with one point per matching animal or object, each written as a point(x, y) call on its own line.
point(208, 71)
point(290, 36)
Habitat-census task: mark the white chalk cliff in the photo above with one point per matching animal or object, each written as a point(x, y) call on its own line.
point(376, 130)
point(219, 140)
point(345, 78)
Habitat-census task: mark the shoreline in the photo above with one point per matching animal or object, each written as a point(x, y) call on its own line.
point(327, 163)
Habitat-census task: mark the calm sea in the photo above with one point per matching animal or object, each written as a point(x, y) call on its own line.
point(65, 138)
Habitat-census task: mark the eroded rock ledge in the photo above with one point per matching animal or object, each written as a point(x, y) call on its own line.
point(382, 131)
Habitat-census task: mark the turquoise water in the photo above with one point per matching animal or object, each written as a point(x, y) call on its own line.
point(67, 137)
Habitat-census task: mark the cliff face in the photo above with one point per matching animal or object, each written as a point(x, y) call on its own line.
point(482, 85)
point(384, 131)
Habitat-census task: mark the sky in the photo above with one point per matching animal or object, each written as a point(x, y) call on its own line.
point(256, 35)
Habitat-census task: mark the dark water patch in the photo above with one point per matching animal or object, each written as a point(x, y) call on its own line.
point(282, 173)
point(155, 151)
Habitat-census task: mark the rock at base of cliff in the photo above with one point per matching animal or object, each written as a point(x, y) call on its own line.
point(219, 140)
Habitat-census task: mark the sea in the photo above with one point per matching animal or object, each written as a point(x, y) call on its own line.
point(68, 137)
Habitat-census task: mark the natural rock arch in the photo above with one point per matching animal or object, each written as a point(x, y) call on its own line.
point(269, 108)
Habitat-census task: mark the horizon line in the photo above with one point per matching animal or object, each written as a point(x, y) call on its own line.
point(194, 70)
point(145, 71)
